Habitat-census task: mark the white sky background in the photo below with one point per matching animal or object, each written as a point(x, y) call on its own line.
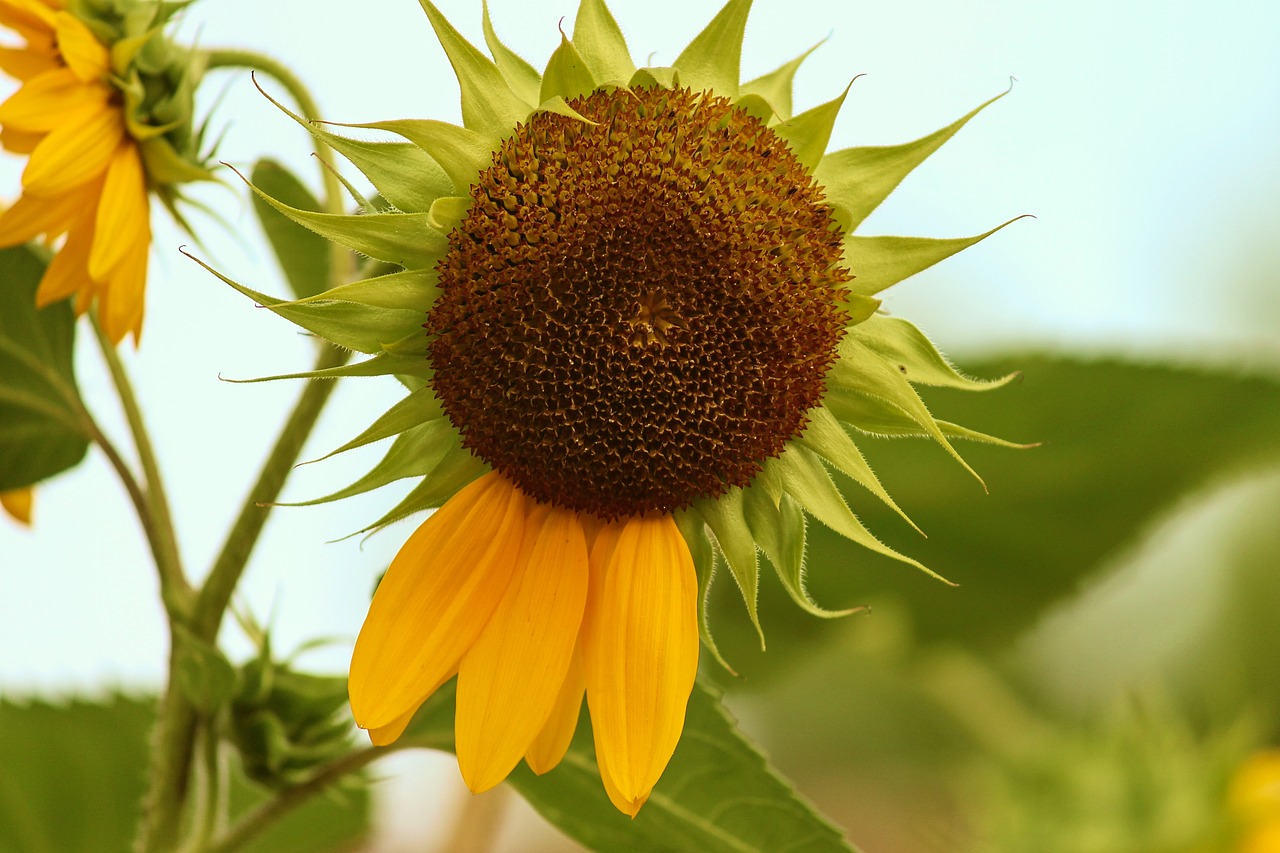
point(1141, 134)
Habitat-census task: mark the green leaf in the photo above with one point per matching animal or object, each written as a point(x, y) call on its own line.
point(41, 432)
point(489, 107)
point(878, 263)
point(73, 783)
point(205, 676)
point(713, 59)
point(302, 253)
point(902, 344)
point(601, 44)
point(521, 77)
point(856, 180)
point(718, 795)
point(1123, 444)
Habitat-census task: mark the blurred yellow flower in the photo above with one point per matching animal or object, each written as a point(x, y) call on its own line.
point(1254, 798)
point(84, 175)
point(17, 502)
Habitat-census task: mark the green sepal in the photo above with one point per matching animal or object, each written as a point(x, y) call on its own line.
point(601, 44)
point(825, 437)
point(522, 78)
point(881, 418)
point(903, 345)
point(405, 175)
point(859, 308)
point(302, 253)
point(560, 106)
point(448, 212)
point(567, 74)
point(724, 516)
point(43, 430)
point(413, 410)
point(660, 78)
point(410, 289)
point(380, 365)
point(203, 673)
point(694, 531)
point(489, 107)
point(353, 325)
point(455, 471)
point(460, 152)
point(779, 530)
point(756, 107)
point(809, 132)
point(856, 180)
point(776, 86)
point(405, 239)
point(861, 370)
point(770, 481)
point(878, 263)
point(414, 453)
point(713, 60)
point(809, 484)
point(164, 165)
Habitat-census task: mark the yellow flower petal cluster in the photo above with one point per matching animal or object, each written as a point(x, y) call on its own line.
point(651, 334)
point(84, 176)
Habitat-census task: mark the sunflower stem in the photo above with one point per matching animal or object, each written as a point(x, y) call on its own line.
point(175, 589)
point(250, 825)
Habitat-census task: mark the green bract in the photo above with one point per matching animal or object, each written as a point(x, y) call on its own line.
point(425, 181)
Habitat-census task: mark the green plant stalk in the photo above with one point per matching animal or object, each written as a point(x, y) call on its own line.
point(175, 589)
point(177, 721)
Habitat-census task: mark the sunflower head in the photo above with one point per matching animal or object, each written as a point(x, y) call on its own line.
point(639, 331)
point(157, 79)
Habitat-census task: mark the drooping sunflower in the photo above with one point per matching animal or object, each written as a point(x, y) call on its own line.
point(638, 330)
point(104, 115)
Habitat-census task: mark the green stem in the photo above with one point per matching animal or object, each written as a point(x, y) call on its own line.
point(174, 587)
point(250, 825)
point(178, 721)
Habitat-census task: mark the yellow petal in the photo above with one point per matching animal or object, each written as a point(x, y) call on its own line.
point(549, 747)
point(123, 292)
point(68, 272)
point(435, 599)
point(24, 64)
point(29, 18)
point(51, 100)
point(30, 217)
point(509, 680)
point(19, 141)
point(17, 502)
point(123, 220)
point(642, 653)
point(629, 806)
point(75, 152)
point(80, 48)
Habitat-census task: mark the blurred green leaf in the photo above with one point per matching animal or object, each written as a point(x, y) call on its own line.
point(1122, 443)
point(41, 431)
point(73, 774)
point(303, 254)
point(717, 794)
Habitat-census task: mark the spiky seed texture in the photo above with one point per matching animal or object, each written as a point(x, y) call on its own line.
point(104, 114)
point(641, 330)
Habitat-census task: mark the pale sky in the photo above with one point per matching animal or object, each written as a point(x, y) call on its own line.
point(1142, 135)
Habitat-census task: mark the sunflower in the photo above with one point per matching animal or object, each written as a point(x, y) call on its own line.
point(104, 116)
point(638, 331)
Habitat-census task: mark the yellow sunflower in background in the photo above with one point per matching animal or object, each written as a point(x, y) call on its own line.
point(103, 115)
point(18, 503)
point(649, 331)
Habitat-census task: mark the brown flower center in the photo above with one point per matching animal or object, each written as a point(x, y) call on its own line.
point(638, 312)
